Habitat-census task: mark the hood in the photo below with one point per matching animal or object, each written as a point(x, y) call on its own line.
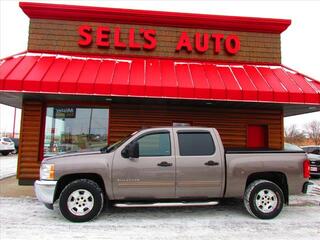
point(81, 162)
point(69, 155)
point(313, 157)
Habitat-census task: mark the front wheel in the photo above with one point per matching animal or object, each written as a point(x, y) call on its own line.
point(263, 199)
point(81, 200)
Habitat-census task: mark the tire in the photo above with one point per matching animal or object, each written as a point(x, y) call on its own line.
point(263, 199)
point(81, 200)
point(6, 153)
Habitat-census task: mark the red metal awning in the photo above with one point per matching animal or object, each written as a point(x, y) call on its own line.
point(155, 78)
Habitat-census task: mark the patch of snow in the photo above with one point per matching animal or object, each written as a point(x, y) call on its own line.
point(8, 166)
point(26, 218)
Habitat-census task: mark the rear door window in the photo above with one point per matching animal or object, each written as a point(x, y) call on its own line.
point(195, 143)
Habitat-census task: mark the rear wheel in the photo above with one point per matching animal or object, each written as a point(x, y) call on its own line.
point(81, 200)
point(5, 153)
point(263, 199)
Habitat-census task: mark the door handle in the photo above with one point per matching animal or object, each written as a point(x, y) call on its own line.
point(164, 164)
point(211, 163)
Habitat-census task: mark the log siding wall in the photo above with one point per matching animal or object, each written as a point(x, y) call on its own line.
point(30, 140)
point(62, 36)
point(231, 123)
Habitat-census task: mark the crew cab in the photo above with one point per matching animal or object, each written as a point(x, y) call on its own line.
point(171, 164)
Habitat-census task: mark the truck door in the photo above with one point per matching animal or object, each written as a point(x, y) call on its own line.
point(152, 175)
point(199, 169)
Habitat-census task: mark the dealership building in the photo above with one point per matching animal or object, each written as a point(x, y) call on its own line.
point(92, 75)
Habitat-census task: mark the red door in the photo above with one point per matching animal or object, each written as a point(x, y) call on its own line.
point(257, 136)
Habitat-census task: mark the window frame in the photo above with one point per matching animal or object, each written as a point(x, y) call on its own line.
point(153, 133)
point(196, 131)
point(75, 104)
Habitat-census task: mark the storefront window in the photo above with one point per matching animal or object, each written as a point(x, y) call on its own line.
point(73, 129)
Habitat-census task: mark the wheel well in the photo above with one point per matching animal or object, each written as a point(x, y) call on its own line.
point(65, 180)
point(278, 178)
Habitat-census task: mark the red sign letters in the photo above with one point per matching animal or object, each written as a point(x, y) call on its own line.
point(103, 38)
point(147, 40)
point(201, 43)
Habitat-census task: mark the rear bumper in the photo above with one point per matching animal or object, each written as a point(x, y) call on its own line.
point(45, 192)
point(6, 148)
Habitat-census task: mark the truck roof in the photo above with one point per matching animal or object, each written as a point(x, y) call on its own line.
point(176, 126)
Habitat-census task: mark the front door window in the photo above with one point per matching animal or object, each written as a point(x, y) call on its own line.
point(157, 144)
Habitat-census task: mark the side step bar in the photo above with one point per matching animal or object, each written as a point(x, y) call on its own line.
point(166, 204)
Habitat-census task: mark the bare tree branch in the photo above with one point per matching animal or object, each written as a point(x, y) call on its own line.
point(313, 131)
point(293, 135)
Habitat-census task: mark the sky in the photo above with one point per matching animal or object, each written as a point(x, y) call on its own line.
point(299, 43)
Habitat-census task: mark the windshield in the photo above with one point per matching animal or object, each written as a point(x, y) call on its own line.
point(291, 147)
point(114, 146)
point(312, 149)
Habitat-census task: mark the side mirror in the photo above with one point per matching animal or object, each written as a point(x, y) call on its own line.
point(104, 149)
point(131, 151)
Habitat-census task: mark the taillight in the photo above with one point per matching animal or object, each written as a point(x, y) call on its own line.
point(306, 168)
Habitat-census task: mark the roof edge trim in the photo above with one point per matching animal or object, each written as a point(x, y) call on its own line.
point(156, 18)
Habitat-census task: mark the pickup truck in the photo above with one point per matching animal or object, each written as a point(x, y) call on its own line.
point(167, 165)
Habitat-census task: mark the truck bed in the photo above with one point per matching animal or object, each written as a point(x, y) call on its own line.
point(246, 151)
point(242, 163)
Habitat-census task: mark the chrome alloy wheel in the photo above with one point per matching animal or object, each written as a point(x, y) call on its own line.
point(80, 202)
point(266, 200)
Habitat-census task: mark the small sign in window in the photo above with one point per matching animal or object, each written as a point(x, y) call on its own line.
point(64, 112)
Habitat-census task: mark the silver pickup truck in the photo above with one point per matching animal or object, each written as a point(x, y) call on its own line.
point(171, 164)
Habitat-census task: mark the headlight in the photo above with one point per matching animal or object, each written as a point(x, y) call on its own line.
point(47, 172)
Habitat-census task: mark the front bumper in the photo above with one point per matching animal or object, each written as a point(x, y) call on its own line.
point(45, 192)
point(316, 174)
point(314, 168)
